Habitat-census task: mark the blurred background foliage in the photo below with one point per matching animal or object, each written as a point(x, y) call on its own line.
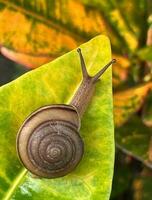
point(33, 32)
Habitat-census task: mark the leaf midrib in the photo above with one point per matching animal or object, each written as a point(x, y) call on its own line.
point(14, 184)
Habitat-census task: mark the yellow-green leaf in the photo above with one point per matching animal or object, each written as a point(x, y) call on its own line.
point(145, 53)
point(56, 82)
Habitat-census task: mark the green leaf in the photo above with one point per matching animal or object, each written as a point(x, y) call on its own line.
point(145, 53)
point(134, 139)
point(56, 82)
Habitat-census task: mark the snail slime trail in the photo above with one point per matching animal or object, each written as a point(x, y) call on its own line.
point(48, 143)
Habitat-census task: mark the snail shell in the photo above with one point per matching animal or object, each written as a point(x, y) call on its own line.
point(47, 144)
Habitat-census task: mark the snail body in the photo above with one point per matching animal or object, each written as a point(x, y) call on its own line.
point(48, 142)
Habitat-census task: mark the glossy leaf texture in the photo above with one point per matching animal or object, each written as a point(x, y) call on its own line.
point(56, 82)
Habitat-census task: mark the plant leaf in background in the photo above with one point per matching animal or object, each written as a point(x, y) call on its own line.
point(127, 102)
point(135, 137)
point(56, 82)
point(50, 28)
point(30, 61)
point(120, 71)
point(130, 129)
point(145, 53)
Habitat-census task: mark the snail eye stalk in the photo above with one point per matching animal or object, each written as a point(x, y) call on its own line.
point(84, 69)
point(48, 143)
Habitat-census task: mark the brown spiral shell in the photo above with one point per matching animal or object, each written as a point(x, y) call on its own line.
point(49, 146)
point(48, 142)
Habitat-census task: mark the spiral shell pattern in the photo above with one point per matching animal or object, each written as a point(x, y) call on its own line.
point(48, 142)
point(55, 148)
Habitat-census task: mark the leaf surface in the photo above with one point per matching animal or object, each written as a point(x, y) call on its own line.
point(56, 82)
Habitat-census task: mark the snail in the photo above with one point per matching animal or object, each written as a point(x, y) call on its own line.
point(48, 142)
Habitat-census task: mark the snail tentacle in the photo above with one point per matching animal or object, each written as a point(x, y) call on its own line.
point(83, 65)
point(97, 76)
point(48, 142)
